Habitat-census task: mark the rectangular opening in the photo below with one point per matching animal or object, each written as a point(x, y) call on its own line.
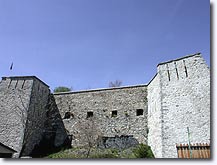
point(9, 83)
point(168, 72)
point(139, 112)
point(89, 114)
point(67, 115)
point(176, 70)
point(114, 113)
point(23, 84)
point(186, 72)
point(16, 84)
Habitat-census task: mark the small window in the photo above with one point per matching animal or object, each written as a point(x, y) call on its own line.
point(114, 113)
point(89, 114)
point(139, 112)
point(68, 115)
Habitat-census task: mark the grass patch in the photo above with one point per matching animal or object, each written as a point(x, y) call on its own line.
point(139, 151)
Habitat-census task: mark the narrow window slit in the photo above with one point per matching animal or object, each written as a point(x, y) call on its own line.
point(9, 84)
point(186, 72)
point(176, 70)
point(23, 84)
point(168, 72)
point(16, 84)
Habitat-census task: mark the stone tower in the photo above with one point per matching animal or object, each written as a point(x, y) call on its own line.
point(24, 113)
point(179, 97)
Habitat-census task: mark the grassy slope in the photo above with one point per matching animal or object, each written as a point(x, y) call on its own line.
point(140, 151)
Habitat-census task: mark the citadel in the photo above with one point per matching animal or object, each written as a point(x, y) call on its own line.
point(156, 114)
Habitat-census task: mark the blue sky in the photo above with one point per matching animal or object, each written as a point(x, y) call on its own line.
point(85, 44)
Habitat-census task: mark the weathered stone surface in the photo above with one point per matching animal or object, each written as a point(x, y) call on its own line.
point(156, 114)
point(54, 125)
point(23, 114)
point(15, 94)
point(118, 142)
point(125, 101)
point(54, 136)
point(36, 116)
point(179, 97)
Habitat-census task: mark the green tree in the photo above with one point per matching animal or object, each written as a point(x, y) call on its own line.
point(62, 89)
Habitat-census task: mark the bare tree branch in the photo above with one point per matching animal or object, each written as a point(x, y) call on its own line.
point(89, 133)
point(116, 83)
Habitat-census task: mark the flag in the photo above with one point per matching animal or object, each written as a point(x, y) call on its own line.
point(11, 66)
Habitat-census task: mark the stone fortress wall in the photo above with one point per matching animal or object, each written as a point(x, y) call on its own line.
point(36, 116)
point(23, 113)
point(117, 111)
point(156, 114)
point(176, 98)
point(179, 97)
point(15, 97)
point(185, 102)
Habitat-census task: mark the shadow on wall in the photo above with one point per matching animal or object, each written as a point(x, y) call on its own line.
point(46, 147)
point(55, 136)
point(118, 142)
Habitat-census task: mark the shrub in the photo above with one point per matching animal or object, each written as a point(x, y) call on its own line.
point(143, 151)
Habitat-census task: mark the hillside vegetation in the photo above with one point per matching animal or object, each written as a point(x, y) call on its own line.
point(139, 151)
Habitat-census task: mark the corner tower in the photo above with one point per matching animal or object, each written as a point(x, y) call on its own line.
point(28, 115)
point(179, 97)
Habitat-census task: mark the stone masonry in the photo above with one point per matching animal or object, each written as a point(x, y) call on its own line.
point(185, 102)
point(23, 102)
point(15, 97)
point(114, 110)
point(179, 97)
point(156, 114)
